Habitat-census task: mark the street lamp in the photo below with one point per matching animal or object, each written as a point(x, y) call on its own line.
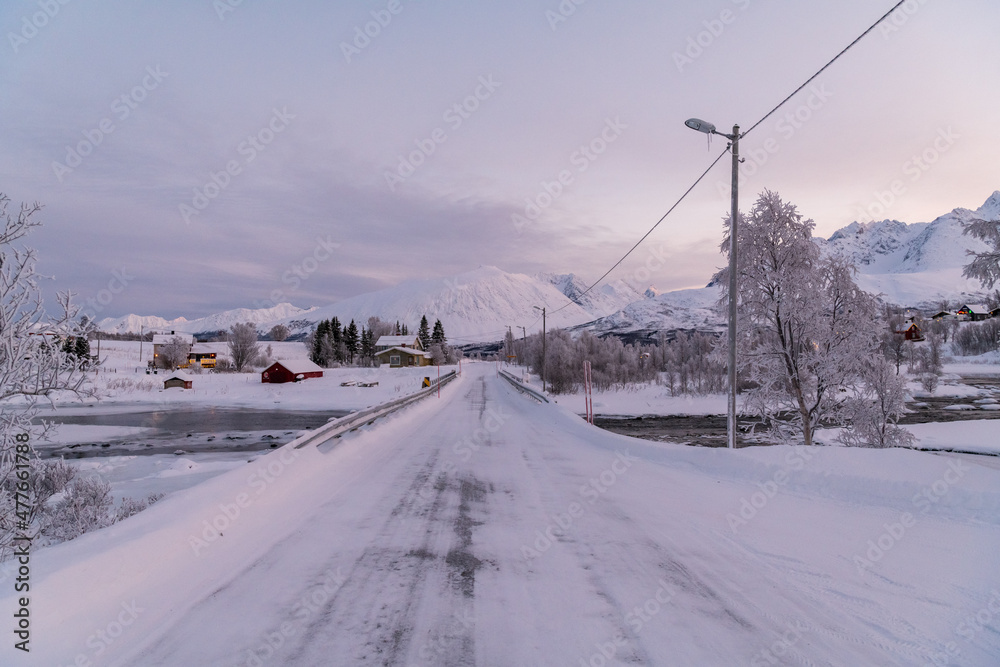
point(734, 143)
point(543, 345)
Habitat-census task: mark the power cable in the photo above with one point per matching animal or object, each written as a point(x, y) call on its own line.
point(742, 134)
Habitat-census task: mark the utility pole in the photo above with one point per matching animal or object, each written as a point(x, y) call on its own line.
point(543, 345)
point(524, 333)
point(733, 229)
point(734, 144)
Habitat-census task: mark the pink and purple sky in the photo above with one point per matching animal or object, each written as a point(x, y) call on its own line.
point(209, 150)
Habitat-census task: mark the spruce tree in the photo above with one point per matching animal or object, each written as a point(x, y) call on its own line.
point(351, 340)
point(367, 344)
point(437, 337)
point(317, 344)
point(424, 334)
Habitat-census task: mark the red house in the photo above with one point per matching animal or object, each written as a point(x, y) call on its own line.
point(910, 331)
point(290, 370)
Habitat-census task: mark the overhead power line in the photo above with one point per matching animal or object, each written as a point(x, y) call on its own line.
point(743, 134)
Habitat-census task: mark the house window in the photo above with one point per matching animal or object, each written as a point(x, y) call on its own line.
point(394, 360)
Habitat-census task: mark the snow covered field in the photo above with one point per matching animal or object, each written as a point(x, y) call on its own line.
point(123, 387)
point(483, 528)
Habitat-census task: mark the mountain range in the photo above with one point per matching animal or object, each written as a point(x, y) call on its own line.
point(914, 265)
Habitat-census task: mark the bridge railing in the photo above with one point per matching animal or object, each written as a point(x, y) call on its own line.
point(523, 388)
point(338, 427)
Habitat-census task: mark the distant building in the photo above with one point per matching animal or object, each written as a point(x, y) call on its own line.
point(179, 379)
point(202, 355)
point(943, 315)
point(995, 312)
point(386, 342)
point(974, 311)
point(399, 357)
point(290, 370)
point(910, 331)
point(161, 340)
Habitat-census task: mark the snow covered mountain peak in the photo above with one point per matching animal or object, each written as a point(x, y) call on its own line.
point(991, 209)
point(918, 263)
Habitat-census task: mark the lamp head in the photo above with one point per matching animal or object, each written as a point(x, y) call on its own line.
point(700, 125)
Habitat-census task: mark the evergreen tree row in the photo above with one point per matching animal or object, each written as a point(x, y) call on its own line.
point(333, 343)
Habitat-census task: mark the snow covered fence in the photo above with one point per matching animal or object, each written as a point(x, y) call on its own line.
point(354, 420)
point(537, 395)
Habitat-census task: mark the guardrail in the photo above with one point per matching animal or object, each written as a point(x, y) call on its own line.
point(524, 389)
point(338, 427)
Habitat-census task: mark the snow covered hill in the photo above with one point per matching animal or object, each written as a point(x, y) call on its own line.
point(680, 309)
point(916, 264)
point(476, 306)
point(218, 322)
point(605, 299)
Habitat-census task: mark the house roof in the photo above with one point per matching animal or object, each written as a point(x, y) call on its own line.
point(406, 350)
point(166, 339)
point(180, 375)
point(977, 308)
point(296, 366)
point(201, 348)
point(393, 341)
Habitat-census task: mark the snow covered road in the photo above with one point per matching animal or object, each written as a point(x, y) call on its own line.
point(485, 529)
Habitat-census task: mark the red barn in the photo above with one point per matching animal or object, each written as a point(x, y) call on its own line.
point(290, 370)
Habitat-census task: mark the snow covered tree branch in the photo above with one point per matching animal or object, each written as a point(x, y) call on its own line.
point(805, 328)
point(985, 266)
point(33, 361)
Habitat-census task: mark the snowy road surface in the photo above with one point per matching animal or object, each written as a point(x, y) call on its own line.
point(485, 529)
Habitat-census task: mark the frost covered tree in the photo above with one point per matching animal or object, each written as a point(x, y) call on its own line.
point(243, 346)
point(279, 332)
point(873, 413)
point(985, 266)
point(173, 354)
point(805, 328)
point(33, 367)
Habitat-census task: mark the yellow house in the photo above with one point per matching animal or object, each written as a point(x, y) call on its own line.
point(400, 351)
